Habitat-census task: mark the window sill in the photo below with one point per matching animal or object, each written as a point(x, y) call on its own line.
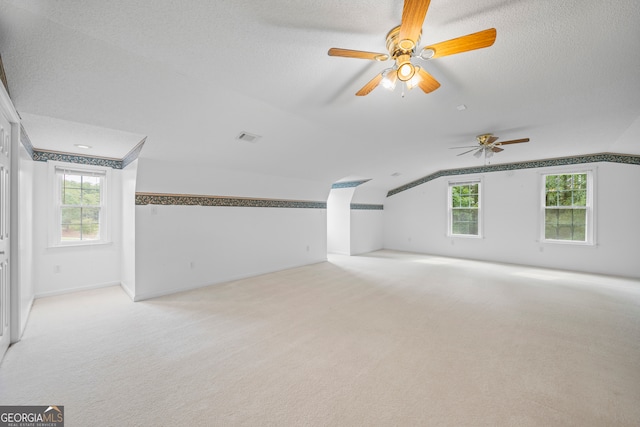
point(79, 245)
point(466, 236)
point(567, 242)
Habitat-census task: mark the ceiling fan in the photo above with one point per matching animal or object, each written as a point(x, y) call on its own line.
point(402, 42)
point(487, 145)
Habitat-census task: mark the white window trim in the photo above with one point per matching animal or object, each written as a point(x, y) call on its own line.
point(54, 204)
point(591, 214)
point(468, 180)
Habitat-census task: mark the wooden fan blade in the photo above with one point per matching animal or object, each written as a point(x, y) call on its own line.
point(492, 139)
point(427, 82)
point(497, 149)
point(466, 43)
point(413, 15)
point(373, 83)
point(360, 54)
point(514, 141)
point(467, 151)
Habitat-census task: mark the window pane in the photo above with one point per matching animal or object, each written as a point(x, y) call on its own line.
point(90, 215)
point(91, 197)
point(565, 232)
point(473, 228)
point(579, 233)
point(71, 196)
point(565, 224)
point(90, 181)
point(90, 232)
point(565, 216)
point(465, 221)
point(71, 232)
point(72, 180)
point(580, 198)
point(71, 215)
point(565, 198)
point(551, 224)
point(580, 216)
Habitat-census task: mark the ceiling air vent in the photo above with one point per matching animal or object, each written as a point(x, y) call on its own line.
point(247, 137)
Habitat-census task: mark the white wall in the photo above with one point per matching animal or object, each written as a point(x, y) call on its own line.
point(367, 225)
point(339, 220)
point(25, 221)
point(80, 267)
point(128, 216)
point(416, 220)
point(366, 231)
point(184, 247)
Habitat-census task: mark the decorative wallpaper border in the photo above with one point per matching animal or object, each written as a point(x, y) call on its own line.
point(198, 200)
point(26, 141)
point(43, 156)
point(560, 161)
point(133, 154)
point(349, 184)
point(366, 207)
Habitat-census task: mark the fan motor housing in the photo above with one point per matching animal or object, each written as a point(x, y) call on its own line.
point(395, 45)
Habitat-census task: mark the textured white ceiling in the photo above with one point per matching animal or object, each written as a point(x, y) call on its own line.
point(192, 75)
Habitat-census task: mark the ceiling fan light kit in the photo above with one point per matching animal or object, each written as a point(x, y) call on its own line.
point(487, 145)
point(401, 45)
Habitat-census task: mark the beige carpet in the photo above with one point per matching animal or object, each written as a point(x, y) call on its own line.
point(389, 339)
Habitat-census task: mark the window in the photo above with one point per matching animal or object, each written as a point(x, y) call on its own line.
point(80, 204)
point(568, 207)
point(464, 208)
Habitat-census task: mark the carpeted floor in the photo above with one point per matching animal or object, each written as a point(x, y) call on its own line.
point(389, 339)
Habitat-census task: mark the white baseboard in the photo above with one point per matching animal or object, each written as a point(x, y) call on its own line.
point(75, 289)
point(127, 290)
point(149, 295)
point(23, 321)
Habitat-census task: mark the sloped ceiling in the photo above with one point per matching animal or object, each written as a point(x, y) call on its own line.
point(192, 75)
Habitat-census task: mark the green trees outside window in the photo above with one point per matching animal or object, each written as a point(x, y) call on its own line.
point(465, 206)
point(566, 205)
point(80, 205)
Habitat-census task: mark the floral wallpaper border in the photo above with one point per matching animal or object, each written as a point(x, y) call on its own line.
point(199, 200)
point(44, 156)
point(349, 184)
point(366, 207)
point(26, 141)
point(561, 161)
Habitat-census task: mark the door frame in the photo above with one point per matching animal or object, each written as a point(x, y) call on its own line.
point(9, 111)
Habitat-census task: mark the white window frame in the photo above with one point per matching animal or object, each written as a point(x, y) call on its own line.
point(55, 231)
point(466, 181)
point(590, 209)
